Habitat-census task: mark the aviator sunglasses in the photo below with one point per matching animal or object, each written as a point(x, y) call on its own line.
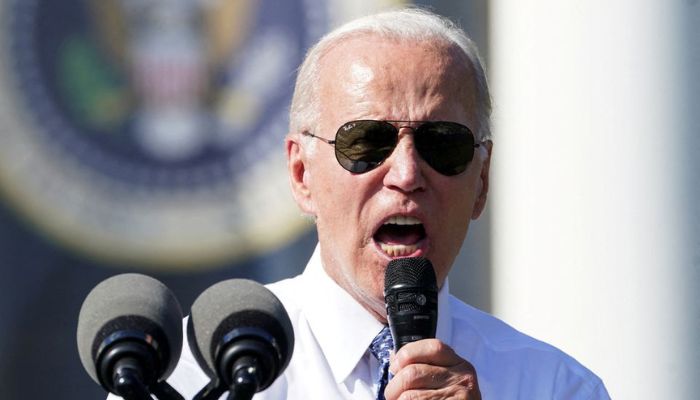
point(361, 146)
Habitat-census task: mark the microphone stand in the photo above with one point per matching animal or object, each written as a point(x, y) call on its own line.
point(163, 391)
point(212, 391)
point(245, 380)
point(130, 363)
point(128, 383)
point(243, 389)
point(243, 386)
point(242, 365)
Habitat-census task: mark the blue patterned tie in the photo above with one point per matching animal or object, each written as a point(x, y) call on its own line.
point(380, 348)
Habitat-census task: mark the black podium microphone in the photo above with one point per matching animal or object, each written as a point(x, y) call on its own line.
point(241, 336)
point(130, 336)
point(410, 293)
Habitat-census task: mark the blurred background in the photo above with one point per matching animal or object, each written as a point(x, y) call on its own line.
point(147, 136)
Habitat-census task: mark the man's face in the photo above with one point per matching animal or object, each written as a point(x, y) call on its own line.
point(403, 207)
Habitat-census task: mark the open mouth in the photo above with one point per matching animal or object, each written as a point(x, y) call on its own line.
point(400, 236)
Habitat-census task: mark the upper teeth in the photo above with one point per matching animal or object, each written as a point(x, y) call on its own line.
point(402, 220)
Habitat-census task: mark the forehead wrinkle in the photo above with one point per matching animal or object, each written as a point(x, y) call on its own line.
point(439, 79)
point(345, 77)
point(361, 77)
point(452, 85)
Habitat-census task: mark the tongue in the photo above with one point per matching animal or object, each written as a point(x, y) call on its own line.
point(399, 234)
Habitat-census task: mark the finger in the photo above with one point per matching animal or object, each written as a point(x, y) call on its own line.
point(421, 376)
point(436, 395)
point(459, 378)
point(424, 376)
point(426, 351)
point(450, 392)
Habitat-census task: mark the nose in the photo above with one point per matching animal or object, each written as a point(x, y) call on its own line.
point(405, 169)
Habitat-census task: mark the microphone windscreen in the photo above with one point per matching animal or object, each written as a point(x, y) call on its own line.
point(410, 271)
point(135, 303)
point(235, 304)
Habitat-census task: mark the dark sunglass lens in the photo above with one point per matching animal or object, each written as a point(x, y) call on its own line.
point(447, 147)
point(361, 146)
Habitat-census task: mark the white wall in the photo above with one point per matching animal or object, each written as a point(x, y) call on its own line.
point(595, 200)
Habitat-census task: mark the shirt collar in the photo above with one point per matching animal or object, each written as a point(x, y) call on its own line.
point(444, 325)
point(330, 310)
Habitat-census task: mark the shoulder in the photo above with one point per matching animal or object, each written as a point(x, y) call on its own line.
point(491, 331)
point(505, 357)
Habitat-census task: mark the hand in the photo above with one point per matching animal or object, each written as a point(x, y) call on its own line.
point(430, 369)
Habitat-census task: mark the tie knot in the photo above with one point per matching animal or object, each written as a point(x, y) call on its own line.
point(382, 345)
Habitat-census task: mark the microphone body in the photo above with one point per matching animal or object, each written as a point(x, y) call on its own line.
point(129, 336)
point(241, 336)
point(410, 293)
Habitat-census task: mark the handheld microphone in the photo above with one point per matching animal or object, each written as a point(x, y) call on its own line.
point(241, 336)
point(410, 293)
point(130, 336)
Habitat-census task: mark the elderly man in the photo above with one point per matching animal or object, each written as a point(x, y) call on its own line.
point(389, 151)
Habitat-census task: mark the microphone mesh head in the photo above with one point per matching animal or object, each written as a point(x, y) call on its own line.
point(133, 302)
point(410, 271)
point(232, 304)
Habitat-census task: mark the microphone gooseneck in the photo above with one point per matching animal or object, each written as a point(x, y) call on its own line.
point(410, 293)
point(129, 336)
point(241, 336)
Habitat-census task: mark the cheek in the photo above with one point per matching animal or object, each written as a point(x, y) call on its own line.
point(336, 210)
point(330, 205)
point(323, 187)
point(453, 218)
point(457, 202)
point(340, 197)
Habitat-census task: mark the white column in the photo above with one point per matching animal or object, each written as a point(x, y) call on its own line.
point(595, 201)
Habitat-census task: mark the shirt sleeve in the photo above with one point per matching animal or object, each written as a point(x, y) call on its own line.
point(599, 393)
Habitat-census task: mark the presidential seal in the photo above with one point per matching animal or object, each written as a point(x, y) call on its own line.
point(150, 132)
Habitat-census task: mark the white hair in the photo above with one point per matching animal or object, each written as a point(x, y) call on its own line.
point(407, 25)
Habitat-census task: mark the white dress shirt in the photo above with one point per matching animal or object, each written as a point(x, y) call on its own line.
point(331, 359)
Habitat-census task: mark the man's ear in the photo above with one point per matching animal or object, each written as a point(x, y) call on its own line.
point(480, 203)
point(298, 174)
